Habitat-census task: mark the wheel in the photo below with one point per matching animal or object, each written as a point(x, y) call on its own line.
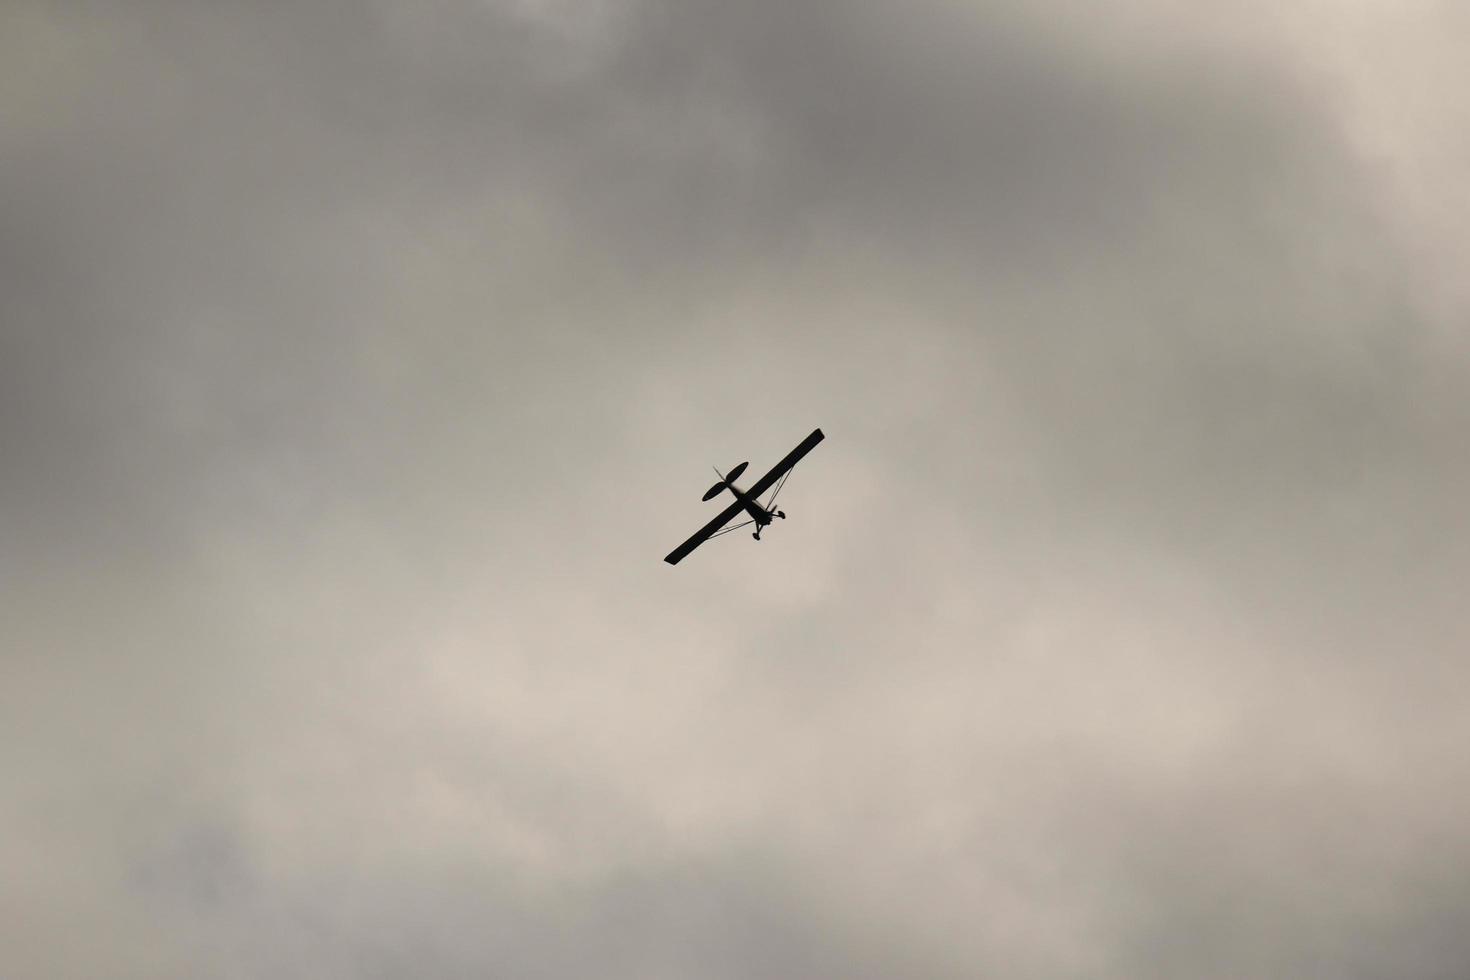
point(756, 536)
point(781, 514)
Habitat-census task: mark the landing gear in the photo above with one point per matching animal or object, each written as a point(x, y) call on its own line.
point(756, 535)
point(781, 514)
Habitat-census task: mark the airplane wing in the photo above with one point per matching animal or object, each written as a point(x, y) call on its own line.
point(703, 534)
point(792, 458)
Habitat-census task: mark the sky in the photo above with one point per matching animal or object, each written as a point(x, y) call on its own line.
point(359, 362)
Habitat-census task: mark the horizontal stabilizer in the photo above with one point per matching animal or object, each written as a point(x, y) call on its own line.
point(735, 473)
point(714, 491)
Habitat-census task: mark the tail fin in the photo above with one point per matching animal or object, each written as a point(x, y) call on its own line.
point(715, 491)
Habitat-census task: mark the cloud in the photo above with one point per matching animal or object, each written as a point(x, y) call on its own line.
point(359, 363)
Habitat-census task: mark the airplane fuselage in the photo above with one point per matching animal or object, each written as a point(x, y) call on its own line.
point(759, 514)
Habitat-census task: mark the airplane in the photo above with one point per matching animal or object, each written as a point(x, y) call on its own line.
point(746, 501)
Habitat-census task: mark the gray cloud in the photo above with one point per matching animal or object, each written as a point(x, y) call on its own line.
point(358, 363)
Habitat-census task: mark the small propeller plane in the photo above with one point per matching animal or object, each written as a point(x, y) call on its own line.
point(746, 501)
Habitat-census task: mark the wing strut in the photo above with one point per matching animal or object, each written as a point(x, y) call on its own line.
point(776, 492)
point(732, 527)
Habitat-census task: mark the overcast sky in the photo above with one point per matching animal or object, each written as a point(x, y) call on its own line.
point(359, 362)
